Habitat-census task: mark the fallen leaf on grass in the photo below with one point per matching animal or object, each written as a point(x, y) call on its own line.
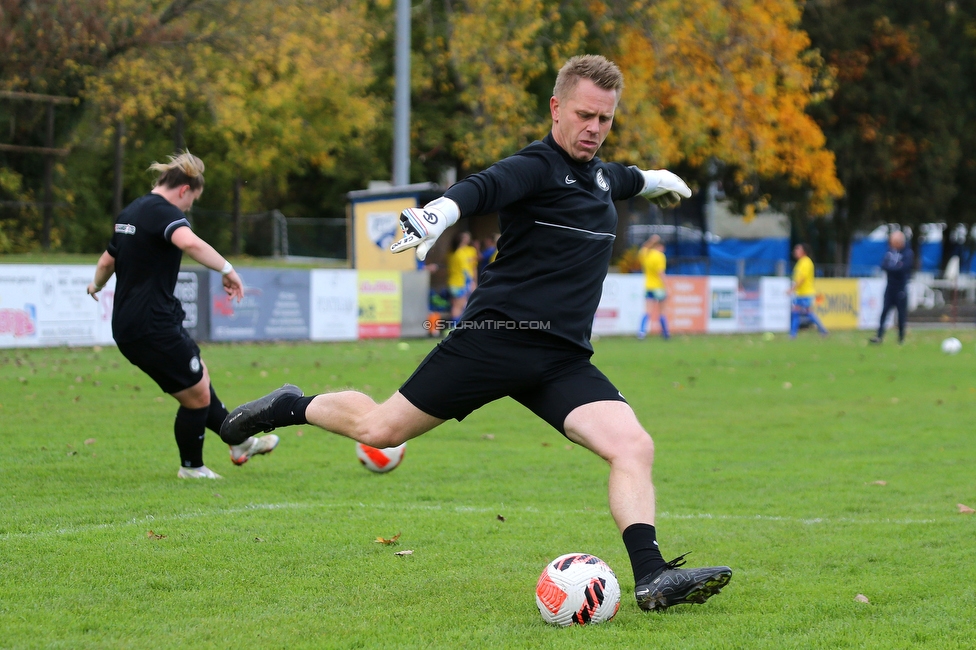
point(299, 433)
point(964, 509)
point(546, 444)
point(403, 553)
point(488, 436)
point(77, 398)
point(861, 598)
point(258, 539)
point(877, 483)
point(154, 535)
point(90, 441)
point(500, 518)
point(389, 542)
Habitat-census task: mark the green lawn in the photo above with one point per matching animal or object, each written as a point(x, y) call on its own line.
point(770, 458)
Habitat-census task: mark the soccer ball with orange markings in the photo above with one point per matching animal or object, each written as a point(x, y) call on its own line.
point(380, 460)
point(579, 589)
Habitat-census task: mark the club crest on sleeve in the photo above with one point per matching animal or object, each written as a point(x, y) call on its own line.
point(601, 181)
point(195, 364)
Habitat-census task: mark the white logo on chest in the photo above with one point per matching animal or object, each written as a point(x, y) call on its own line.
point(601, 181)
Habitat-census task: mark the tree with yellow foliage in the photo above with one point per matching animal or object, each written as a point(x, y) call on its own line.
point(720, 87)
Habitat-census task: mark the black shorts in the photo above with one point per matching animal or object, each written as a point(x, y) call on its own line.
point(171, 360)
point(472, 367)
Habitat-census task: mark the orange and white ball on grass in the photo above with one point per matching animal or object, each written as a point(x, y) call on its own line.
point(380, 460)
point(577, 589)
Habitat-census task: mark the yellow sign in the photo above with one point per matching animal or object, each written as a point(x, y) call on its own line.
point(837, 303)
point(380, 304)
point(376, 225)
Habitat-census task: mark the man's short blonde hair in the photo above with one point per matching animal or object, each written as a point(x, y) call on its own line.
point(598, 69)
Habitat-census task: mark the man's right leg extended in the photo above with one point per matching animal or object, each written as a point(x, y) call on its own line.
point(347, 413)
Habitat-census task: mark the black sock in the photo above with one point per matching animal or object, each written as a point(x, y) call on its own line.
point(289, 410)
point(189, 428)
point(641, 543)
point(216, 413)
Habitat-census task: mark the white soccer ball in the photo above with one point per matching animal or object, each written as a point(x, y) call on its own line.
point(951, 345)
point(579, 589)
point(380, 460)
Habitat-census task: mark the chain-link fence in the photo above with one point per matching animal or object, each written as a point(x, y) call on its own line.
point(272, 234)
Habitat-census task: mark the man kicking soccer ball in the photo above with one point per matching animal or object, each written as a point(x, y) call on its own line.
point(525, 331)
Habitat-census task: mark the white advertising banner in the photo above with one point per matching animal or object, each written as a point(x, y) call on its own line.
point(871, 294)
point(334, 305)
point(47, 306)
point(723, 302)
point(621, 305)
point(774, 300)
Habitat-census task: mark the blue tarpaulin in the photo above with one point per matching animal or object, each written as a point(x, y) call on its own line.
point(760, 257)
point(866, 256)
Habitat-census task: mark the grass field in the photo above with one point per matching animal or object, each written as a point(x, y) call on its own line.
point(817, 469)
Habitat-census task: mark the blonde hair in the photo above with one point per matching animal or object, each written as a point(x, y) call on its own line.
point(182, 169)
point(598, 69)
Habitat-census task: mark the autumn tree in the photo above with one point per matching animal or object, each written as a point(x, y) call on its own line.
point(719, 89)
point(899, 119)
point(54, 48)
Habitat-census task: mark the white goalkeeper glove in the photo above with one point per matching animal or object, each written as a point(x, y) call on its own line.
point(663, 188)
point(422, 226)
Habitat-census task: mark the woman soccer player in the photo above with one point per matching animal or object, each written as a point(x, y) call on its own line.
point(462, 272)
point(654, 263)
point(150, 237)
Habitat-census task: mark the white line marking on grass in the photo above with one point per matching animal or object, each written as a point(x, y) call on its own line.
point(800, 520)
point(196, 514)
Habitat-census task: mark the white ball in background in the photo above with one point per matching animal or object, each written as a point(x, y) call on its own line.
point(951, 345)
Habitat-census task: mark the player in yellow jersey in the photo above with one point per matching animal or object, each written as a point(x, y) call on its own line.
point(653, 262)
point(803, 291)
point(462, 272)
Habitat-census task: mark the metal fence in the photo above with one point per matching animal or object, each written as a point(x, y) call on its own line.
point(272, 234)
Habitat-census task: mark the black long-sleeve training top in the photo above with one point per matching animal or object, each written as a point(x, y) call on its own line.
point(898, 264)
point(557, 223)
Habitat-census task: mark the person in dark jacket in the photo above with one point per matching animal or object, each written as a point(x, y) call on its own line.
point(151, 235)
point(525, 332)
point(897, 263)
